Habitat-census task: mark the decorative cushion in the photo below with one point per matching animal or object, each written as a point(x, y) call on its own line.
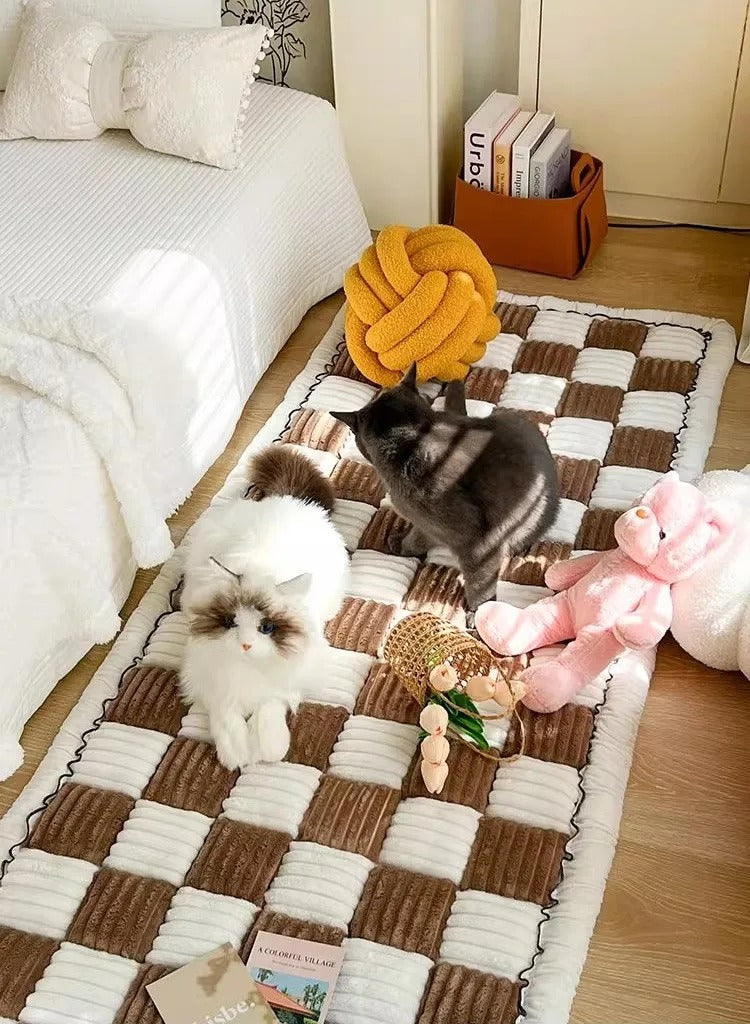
point(131, 19)
point(177, 92)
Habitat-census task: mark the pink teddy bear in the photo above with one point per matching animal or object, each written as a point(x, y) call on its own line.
point(609, 601)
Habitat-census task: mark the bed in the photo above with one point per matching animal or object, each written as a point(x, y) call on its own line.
point(141, 299)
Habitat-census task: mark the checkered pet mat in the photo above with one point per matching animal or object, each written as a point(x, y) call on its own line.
point(466, 908)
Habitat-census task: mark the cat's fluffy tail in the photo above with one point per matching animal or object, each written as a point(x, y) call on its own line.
point(280, 470)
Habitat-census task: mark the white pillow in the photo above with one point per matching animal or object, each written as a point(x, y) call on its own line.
point(124, 18)
point(177, 92)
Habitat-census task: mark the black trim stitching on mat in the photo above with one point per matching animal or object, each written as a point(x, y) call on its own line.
point(707, 336)
point(137, 660)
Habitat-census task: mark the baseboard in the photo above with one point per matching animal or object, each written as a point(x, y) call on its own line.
point(678, 211)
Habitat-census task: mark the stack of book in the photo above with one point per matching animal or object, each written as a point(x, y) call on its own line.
point(516, 152)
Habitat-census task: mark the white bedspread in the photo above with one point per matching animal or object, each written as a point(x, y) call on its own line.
point(141, 299)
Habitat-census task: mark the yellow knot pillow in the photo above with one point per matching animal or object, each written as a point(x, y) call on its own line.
point(421, 296)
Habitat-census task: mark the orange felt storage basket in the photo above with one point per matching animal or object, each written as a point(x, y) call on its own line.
point(548, 236)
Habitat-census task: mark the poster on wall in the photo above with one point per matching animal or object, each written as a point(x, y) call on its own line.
point(300, 56)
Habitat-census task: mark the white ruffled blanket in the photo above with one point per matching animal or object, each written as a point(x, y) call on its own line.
point(141, 299)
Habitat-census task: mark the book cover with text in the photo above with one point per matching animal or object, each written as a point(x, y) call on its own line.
point(295, 977)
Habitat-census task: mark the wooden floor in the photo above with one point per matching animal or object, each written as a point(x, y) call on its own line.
point(671, 945)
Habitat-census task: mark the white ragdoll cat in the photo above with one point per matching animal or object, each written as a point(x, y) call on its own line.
point(261, 580)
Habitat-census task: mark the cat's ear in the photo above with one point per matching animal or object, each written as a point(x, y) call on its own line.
point(298, 586)
point(350, 418)
point(409, 379)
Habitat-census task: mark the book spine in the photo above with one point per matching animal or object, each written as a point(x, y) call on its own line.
point(538, 179)
point(501, 169)
point(521, 157)
point(477, 154)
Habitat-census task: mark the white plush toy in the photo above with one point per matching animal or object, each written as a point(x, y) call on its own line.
point(711, 619)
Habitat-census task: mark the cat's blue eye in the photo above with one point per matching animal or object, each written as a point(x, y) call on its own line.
point(267, 627)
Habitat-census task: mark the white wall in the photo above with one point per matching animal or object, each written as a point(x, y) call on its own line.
point(491, 30)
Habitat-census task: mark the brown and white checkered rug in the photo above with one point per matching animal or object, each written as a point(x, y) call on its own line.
point(133, 851)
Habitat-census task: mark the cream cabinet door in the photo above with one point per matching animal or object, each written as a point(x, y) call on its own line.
point(647, 85)
point(735, 185)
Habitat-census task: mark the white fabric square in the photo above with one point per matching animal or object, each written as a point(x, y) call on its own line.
point(535, 391)
point(121, 757)
point(350, 450)
point(534, 792)
point(521, 595)
point(80, 984)
point(374, 750)
point(351, 518)
point(318, 883)
point(166, 645)
point(619, 487)
point(491, 933)
point(340, 394)
point(556, 325)
point(336, 677)
point(604, 366)
point(442, 556)
point(667, 341)
point(430, 389)
point(194, 725)
point(378, 985)
point(198, 922)
point(580, 438)
point(380, 577)
point(501, 352)
point(41, 892)
point(495, 732)
point(569, 516)
point(159, 842)
point(274, 796)
point(659, 410)
point(474, 407)
point(431, 838)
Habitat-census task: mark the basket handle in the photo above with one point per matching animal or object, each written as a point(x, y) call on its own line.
point(582, 172)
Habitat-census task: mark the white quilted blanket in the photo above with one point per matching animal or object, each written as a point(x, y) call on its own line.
point(141, 299)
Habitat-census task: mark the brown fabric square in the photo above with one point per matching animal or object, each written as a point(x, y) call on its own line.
point(385, 696)
point(121, 913)
point(385, 528)
point(539, 419)
point(357, 481)
point(344, 367)
point(486, 383)
point(351, 816)
point(591, 401)
point(529, 568)
point(292, 928)
point(402, 909)
point(515, 319)
point(315, 729)
point(149, 699)
point(576, 477)
point(23, 960)
point(460, 995)
point(191, 777)
point(82, 822)
point(562, 736)
point(360, 625)
point(316, 429)
point(626, 335)
point(437, 589)
point(138, 1006)
point(597, 530)
point(517, 861)
point(641, 447)
point(547, 357)
point(663, 375)
point(238, 860)
point(469, 779)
